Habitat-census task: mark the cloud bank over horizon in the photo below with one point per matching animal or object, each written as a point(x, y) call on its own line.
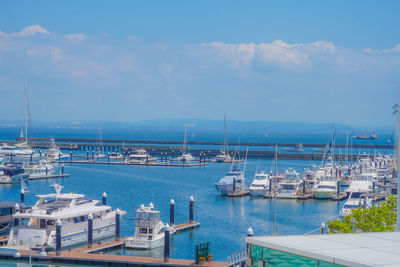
point(76, 76)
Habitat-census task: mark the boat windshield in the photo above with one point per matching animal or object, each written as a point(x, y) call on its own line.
point(260, 177)
point(288, 186)
point(147, 216)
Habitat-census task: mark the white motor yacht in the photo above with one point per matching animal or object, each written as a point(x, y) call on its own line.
point(140, 156)
point(233, 181)
point(20, 151)
point(291, 185)
point(54, 152)
point(149, 229)
point(116, 155)
point(326, 188)
point(42, 168)
point(36, 226)
point(186, 157)
point(260, 185)
point(223, 157)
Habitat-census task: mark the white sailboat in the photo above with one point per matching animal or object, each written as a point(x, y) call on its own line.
point(223, 156)
point(186, 156)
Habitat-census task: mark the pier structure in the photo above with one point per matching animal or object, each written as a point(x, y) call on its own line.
point(167, 150)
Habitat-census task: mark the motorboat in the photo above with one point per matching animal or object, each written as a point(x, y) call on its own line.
point(361, 184)
point(21, 150)
point(42, 168)
point(186, 157)
point(54, 152)
point(140, 156)
point(36, 226)
point(149, 229)
point(326, 188)
point(372, 136)
point(297, 148)
point(309, 176)
point(12, 173)
point(260, 185)
point(116, 155)
point(233, 181)
point(355, 200)
point(223, 157)
point(291, 186)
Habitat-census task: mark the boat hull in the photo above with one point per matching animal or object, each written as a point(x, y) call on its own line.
point(258, 192)
point(324, 194)
point(144, 244)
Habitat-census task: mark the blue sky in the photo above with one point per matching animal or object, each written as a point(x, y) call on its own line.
point(300, 61)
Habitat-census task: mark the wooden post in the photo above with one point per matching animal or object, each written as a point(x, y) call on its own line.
point(191, 209)
point(172, 212)
point(117, 224)
point(58, 237)
point(104, 198)
point(90, 230)
point(166, 243)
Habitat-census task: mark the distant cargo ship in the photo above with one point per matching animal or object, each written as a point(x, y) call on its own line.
point(373, 136)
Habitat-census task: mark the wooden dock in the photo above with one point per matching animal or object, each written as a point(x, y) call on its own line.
point(95, 256)
point(60, 175)
point(185, 227)
point(159, 164)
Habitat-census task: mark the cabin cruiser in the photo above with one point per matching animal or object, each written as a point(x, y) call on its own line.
point(361, 184)
point(149, 229)
point(355, 200)
point(11, 173)
point(326, 188)
point(54, 152)
point(21, 150)
point(186, 157)
point(309, 176)
point(233, 181)
point(260, 185)
point(291, 186)
point(36, 226)
point(116, 155)
point(223, 157)
point(140, 155)
point(43, 168)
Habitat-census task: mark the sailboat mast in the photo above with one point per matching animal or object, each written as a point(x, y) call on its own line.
point(226, 149)
point(26, 113)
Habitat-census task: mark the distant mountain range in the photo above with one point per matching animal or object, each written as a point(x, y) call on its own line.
point(204, 124)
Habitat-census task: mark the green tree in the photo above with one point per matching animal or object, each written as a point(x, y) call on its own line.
point(381, 218)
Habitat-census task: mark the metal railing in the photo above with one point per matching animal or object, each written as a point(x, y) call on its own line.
point(238, 258)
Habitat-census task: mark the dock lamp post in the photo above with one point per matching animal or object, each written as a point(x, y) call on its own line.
point(396, 111)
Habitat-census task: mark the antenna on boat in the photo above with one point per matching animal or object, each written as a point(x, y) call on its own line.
point(57, 187)
point(245, 161)
point(24, 188)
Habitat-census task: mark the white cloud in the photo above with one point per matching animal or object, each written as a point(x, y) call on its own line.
point(387, 50)
point(274, 53)
point(27, 31)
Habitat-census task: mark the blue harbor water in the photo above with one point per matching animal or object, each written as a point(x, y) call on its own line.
point(224, 221)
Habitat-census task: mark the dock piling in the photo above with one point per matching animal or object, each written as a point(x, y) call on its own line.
point(338, 188)
point(90, 230)
point(191, 208)
point(172, 212)
point(16, 208)
point(58, 237)
point(322, 228)
point(62, 169)
point(166, 242)
point(22, 196)
point(104, 199)
point(117, 224)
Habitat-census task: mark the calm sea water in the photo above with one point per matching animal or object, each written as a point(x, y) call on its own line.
point(224, 221)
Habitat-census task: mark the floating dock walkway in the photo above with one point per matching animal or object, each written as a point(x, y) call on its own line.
point(159, 164)
point(51, 176)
